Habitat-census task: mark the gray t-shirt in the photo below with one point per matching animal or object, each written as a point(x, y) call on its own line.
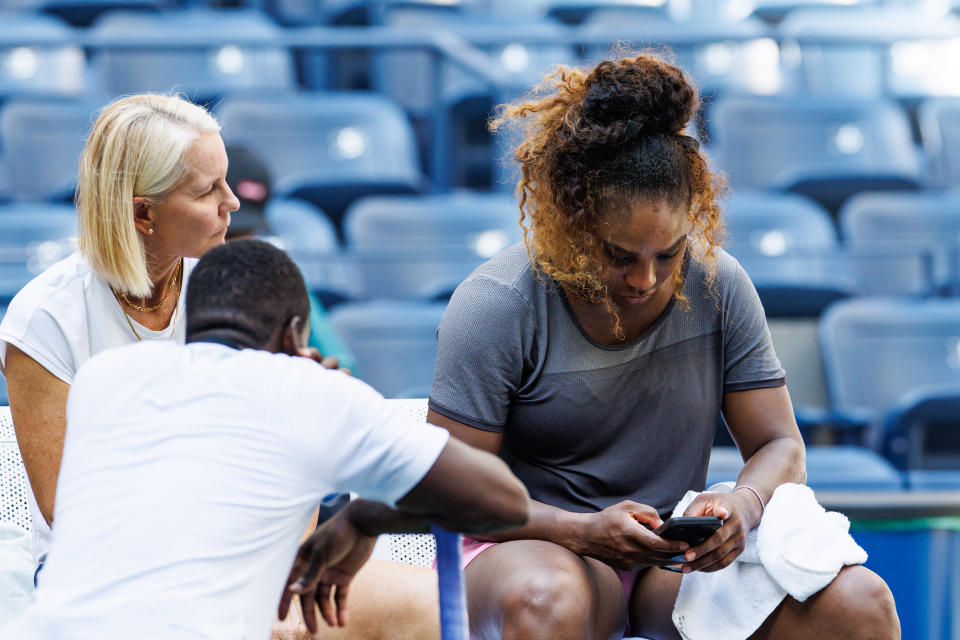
point(586, 425)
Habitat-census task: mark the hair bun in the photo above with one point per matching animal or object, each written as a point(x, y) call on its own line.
point(643, 95)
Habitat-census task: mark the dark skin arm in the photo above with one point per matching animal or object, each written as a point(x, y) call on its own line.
point(38, 405)
point(612, 535)
point(764, 428)
point(447, 495)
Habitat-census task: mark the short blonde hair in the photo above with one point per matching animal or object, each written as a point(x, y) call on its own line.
point(137, 147)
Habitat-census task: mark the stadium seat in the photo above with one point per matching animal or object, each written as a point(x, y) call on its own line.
point(928, 222)
point(872, 51)
point(328, 148)
point(32, 237)
point(827, 148)
point(52, 65)
point(723, 56)
point(923, 437)
point(772, 223)
point(395, 343)
point(877, 350)
point(310, 238)
point(423, 247)
point(840, 468)
point(939, 120)
point(42, 142)
point(176, 51)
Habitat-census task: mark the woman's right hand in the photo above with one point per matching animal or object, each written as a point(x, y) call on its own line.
point(617, 536)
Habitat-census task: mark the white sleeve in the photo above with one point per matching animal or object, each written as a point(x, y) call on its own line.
point(37, 332)
point(365, 445)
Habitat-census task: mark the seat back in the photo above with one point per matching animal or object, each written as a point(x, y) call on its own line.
point(780, 142)
point(327, 141)
point(32, 237)
point(773, 223)
point(395, 343)
point(42, 142)
point(928, 222)
point(424, 246)
point(53, 65)
point(939, 120)
point(193, 67)
point(877, 350)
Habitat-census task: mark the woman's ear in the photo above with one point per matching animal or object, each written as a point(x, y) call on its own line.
point(143, 217)
point(293, 342)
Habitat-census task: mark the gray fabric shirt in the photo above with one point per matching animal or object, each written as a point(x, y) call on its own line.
point(586, 425)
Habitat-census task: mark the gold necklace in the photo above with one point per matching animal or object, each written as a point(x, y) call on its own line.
point(173, 282)
point(173, 330)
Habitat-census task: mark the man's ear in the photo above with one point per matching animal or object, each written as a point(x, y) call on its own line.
point(292, 339)
point(143, 217)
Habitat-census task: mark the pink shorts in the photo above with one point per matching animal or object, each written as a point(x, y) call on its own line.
point(472, 548)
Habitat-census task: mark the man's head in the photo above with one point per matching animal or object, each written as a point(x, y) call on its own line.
point(251, 293)
point(249, 179)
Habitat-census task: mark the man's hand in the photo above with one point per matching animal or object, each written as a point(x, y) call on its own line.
point(324, 567)
point(740, 512)
point(327, 362)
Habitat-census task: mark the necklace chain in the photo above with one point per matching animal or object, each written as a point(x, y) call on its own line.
point(121, 296)
point(122, 299)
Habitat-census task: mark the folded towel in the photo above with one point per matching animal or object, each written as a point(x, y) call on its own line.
point(798, 549)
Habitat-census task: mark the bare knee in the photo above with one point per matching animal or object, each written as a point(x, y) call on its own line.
point(859, 602)
point(551, 602)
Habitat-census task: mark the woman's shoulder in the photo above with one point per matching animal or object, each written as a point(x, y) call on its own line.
point(59, 287)
point(720, 273)
point(507, 279)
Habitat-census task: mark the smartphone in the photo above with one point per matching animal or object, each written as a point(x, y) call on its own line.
point(690, 529)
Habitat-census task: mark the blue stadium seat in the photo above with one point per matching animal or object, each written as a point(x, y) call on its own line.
point(42, 142)
point(902, 51)
point(723, 56)
point(827, 148)
point(939, 120)
point(928, 222)
point(877, 350)
point(175, 53)
point(423, 247)
point(328, 148)
point(32, 237)
point(923, 437)
point(772, 223)
point(513, 41)
point(51, 66)
point(310, 238)
point(840, 468)
point(395, 343)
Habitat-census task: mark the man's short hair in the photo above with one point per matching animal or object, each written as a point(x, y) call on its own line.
point(248, 287)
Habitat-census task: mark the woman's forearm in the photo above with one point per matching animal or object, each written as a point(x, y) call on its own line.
point(779, 461)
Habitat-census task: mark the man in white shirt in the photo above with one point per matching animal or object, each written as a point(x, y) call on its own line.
point(189, 472)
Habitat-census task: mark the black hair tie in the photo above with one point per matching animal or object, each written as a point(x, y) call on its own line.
point(689, 142)
point(632, 130)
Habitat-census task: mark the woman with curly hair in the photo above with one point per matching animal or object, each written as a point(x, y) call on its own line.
point(597, 358)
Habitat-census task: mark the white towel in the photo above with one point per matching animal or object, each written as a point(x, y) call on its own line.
point(798, 549)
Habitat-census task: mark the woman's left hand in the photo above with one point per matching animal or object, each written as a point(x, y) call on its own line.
point(740, 512)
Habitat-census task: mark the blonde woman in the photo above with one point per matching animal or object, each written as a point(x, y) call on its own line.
point(152, 197)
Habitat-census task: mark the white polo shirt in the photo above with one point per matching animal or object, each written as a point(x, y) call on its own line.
point(189, 474)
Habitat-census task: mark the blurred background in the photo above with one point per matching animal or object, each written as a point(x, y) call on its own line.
point(837, 123)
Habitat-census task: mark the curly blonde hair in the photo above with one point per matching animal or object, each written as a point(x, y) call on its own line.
point(596, 141)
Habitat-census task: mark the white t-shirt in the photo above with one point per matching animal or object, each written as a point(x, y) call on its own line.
point(189, 474)
point(66, 315)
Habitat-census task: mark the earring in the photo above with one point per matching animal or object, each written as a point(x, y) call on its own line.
point(150, 230)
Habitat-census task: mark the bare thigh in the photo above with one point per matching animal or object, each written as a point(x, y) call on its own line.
point(533, 589)
point(651, 604)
